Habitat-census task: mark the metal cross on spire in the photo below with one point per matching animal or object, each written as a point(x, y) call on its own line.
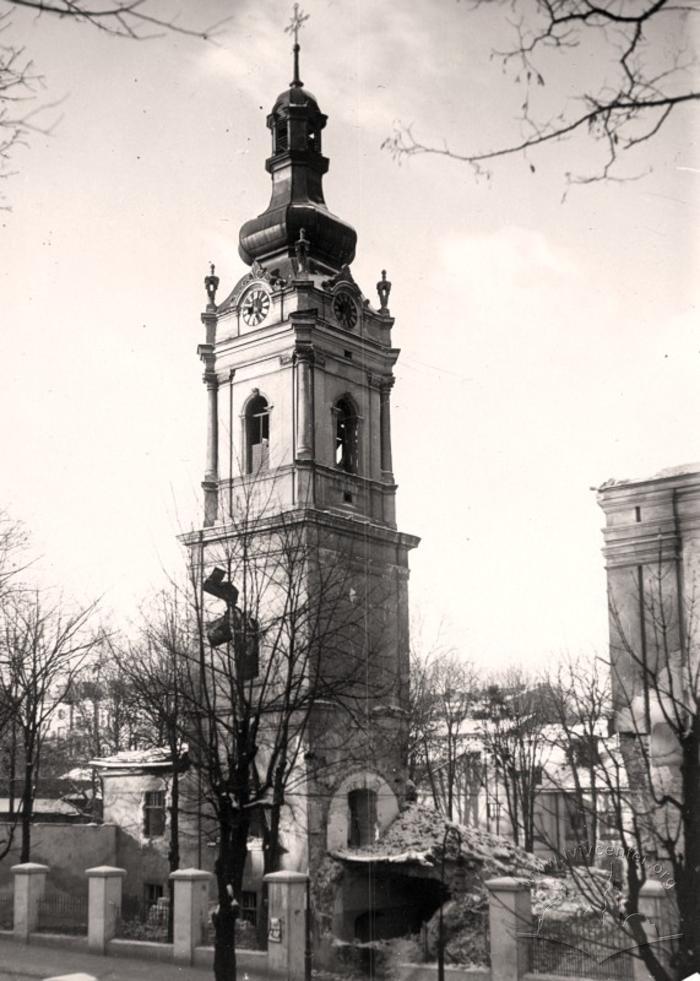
point(294, 26)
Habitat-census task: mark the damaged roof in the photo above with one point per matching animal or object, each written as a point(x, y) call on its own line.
point(154, 758)
point(416, 837)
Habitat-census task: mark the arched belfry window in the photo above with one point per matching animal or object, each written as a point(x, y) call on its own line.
point(257, 434)
point(281, 136)
point(346, 435)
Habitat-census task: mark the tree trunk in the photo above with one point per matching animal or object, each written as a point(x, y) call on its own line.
point(688, 882)
point(174, 845)
point(233, 849)
point(224, 920)
point(27, 808)
point(271, 858)
point(13, 768)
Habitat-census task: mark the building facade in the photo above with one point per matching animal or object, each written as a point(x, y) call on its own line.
point(652, 558)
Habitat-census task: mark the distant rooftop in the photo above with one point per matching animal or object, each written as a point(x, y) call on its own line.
point(44, 805)
point(680, 470)
point(157, 757)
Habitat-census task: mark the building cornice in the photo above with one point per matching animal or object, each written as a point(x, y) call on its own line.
point(312, 517)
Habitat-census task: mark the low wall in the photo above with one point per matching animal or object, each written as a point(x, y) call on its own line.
point(250, 962)
point(428, 972)
point(68, 849)
point(143, 861)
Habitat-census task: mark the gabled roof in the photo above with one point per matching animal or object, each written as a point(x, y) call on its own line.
point(44, 805)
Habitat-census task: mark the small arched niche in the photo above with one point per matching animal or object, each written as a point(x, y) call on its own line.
point(361, 808)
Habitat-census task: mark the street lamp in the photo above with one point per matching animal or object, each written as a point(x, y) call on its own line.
point(307, 932)
point(450, 829)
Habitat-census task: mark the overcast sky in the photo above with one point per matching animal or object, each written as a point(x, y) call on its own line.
point(546, 346)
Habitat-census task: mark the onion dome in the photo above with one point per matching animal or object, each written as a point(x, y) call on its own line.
point(297, 167)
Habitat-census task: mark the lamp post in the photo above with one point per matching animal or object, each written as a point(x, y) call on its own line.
point(450, 829)
point(307, 935)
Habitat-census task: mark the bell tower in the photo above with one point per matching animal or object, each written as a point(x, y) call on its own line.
point(298, 367)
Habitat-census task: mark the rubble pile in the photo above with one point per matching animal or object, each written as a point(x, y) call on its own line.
point(422, 843)
point(417, 835)
point(466, 938)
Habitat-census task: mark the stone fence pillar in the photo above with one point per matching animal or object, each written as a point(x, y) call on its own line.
point(659, 920)
point(510, 919)
point(287, 928)
point(104, 905)
point(29, 884)
point(191, 910)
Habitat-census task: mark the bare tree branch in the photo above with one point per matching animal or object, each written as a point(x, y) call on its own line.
point(642, 87)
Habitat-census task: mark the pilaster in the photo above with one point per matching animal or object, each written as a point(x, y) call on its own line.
point(191, 908)
point(104, 905)
point(287, 938)
point(29, 885)
point(510, 919)
point(304, 360)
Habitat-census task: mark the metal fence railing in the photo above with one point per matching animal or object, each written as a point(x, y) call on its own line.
point(63, 914)
point(143, 920)
point(6, 911)
point(587, 949)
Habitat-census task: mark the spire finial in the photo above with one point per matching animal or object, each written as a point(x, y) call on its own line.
point(384, 289)
point(294, 26)
point(301, 253)
point(211, 284)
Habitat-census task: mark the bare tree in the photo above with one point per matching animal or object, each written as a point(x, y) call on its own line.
point(656, 688)
point(638, 790)
point(514, 717)
point(106, 715)
point(443, 692)
point(154, 670)
point(582, 769)
point(291, 641)
point(13, 561)
point(14, 542)
point(643, 69)
point(42, 648)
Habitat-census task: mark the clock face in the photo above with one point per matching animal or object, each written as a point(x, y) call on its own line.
point(256, 305)
point(345, 310)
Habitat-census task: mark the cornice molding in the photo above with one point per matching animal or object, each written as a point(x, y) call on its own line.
point(314, 517)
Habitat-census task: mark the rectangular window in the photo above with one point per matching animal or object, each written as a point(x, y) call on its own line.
point(152, 892)
point(154, 813)
point(249, 907)
point(576, 817)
